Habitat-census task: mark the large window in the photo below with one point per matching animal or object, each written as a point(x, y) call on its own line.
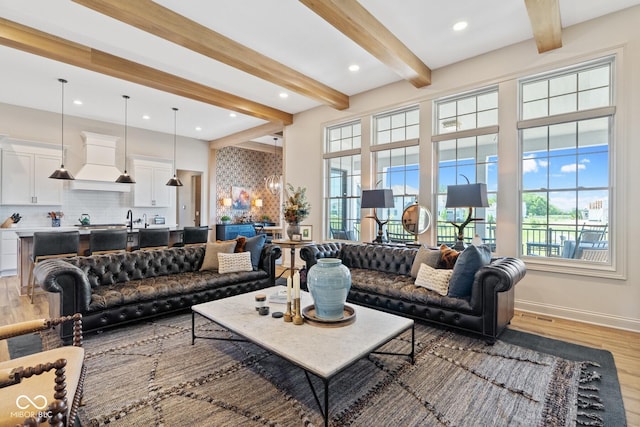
point(565, 137)
point(466, 146)
point(343, 166)
point(396, 159)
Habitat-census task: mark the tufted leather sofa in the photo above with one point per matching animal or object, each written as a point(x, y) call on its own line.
point(117, 288)
point(380, 278)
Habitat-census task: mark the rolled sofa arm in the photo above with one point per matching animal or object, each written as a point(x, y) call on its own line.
point(499, 276)
point(270, 253)
point(312, 253)
point(57, 275)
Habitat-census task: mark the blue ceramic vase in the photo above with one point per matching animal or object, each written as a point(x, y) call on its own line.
point(329, 282)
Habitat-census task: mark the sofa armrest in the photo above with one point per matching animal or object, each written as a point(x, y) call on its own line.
point(312, 253)
point(499, 276)
point(270, 253)
point(57, 275)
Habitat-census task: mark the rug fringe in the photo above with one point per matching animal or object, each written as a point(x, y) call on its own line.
point(592, 419)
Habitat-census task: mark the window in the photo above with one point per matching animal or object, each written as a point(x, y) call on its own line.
point(343, 188)
point(565, 136)
point(466, 147)
point(397, 166)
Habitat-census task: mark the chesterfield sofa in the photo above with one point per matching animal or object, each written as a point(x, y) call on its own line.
point(117, 288)
point(382, 278)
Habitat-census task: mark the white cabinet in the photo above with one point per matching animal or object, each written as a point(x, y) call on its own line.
point(150, 189)
point(25, 178)
point(8, 253)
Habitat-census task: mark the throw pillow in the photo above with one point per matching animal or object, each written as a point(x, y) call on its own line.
point(210, 261)
point(255, 245)
point(241, 242)
point(435, 279)
point(234, 263)
point(427, 256)
point(469, 262)
point(448, 257)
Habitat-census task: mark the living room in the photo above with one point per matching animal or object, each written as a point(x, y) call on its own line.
point(605, 296)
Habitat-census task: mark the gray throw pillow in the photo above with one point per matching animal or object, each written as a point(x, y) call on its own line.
point(427, 256)
point(464, 271)
point(255, 245)
point(210, 261)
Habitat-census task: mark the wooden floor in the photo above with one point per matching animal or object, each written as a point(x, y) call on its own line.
point(625, 346)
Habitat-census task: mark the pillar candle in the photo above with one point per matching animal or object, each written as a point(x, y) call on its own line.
point(296, 285)
point(289, 289)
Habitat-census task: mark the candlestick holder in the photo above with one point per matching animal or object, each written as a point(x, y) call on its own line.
point(297, 318)
point(288, 317)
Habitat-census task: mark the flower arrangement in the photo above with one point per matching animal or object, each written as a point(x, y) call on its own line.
point(295, 207)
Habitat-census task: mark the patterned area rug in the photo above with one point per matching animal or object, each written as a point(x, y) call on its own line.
point(150, 374)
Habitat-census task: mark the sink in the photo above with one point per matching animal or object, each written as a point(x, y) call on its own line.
point(102, 226)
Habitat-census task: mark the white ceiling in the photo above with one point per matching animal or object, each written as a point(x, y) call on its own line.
point(284, 30)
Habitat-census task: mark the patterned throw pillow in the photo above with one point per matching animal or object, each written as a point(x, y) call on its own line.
point(448, 257)
point(210, 261)
point(241, 242)
point(234, 263)
point(435, 279)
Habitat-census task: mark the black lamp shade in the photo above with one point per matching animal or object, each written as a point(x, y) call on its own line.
point(125, 178)
point(377, 199)
point(61, 173)
point(467, 195)
point(174, 182)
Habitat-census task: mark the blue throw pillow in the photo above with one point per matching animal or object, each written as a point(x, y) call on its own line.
point(469, 262)
point(255, 245)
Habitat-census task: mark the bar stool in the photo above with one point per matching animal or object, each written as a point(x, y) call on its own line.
point(194, 236)
point(107, 241)
point(51, 244)
point(153, 238)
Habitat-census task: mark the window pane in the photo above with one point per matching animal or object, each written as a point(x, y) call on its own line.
point(383, 123)
point(563, 85)
point(594, 170)
point(467, 105)
point(488, 101)
point(534, 91)
point(467, 121)
point(593, 98)
point(413, 132)
point(446, 110)
point(534, 109)
point(413, 117)
point(598, 77)
point(397, 120)
point(562, 136)
point(397, 135)
point(562, 104)
point(384, 137)
point(487, 118)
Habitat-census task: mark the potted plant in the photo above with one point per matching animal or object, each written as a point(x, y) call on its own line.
point(225, 219)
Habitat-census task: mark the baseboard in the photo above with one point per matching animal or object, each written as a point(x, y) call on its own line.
point(590, 317)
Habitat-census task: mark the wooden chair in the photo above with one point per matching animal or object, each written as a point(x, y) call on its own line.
point(44, 387)
point(153, 238)
point(107, 241)
point(51, 244)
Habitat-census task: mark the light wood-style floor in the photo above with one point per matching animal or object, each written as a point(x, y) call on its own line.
point(624, 345)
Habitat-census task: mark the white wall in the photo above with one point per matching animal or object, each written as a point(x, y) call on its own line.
point(104, 207)
point(545, 289)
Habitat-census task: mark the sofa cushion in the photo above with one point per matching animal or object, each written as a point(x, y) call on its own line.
point(448, 257)
point(233, 263)
point(255, 245)
point(425, 255)
point(210, 261)
point(468, 263)
point(435, 279)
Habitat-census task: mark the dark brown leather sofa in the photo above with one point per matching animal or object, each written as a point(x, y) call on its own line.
point(381, 279)
point(118, 288)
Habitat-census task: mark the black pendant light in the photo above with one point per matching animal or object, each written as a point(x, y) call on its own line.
point(125, 178)
point(174, 182)
point(62, 173)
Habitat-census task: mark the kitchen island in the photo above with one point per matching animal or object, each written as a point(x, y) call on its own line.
point(25, 243)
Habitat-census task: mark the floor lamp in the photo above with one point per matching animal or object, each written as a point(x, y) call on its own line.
point(466, 196)
point(377, 199)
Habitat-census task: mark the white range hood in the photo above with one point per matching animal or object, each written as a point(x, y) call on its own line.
point(99, 172)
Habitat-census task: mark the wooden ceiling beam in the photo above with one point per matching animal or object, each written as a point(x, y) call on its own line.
point(246, 135)
point(34, 41)
point(545, 23)
point(355, 22)
point(153, 18)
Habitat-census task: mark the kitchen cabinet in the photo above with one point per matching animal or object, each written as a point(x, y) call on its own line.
point(231, 231)
point(8, 253)
point(25, 178)
point(151, 178)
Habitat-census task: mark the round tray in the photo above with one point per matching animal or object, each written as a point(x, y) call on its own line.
point(309, 314)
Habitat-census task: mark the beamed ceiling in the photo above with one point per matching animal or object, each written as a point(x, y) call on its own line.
point(214, 58)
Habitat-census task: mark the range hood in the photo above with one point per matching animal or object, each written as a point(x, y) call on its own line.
point(99, 172)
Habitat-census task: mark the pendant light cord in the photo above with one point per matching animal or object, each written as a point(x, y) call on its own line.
point(175, 130)
point(63, 81)
point(126, 98)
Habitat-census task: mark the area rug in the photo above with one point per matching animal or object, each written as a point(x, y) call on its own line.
point(149, 374)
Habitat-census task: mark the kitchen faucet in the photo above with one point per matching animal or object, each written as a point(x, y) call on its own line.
point(130, 219)
point(144, 220)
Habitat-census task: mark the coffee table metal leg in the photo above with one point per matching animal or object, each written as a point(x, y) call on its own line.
point(193, 327)
point(324, 412)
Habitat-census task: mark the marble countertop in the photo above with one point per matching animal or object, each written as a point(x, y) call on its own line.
point(28, 231)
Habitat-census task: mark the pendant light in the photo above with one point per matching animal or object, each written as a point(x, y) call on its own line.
point(125, 178)
point(273, 183)
point(62, 173)
point(174, 182)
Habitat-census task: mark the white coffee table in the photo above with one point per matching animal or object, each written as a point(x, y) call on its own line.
point(322, 351)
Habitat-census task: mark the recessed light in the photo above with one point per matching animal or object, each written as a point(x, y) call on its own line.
point(284, 95)
point(146, 117)
point(233, 115)
point(353, 68)
point(459, 26)
point(77, 102)
point(198, 128)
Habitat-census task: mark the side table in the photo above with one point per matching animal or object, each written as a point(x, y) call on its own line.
point(292, 245)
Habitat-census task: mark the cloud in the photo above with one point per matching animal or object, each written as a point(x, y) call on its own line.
point(573, 167)
point(529, 164)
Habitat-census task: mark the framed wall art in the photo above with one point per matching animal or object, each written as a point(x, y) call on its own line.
point(306, 232)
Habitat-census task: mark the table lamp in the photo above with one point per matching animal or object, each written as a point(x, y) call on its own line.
point(466, 196)
point(377, 199)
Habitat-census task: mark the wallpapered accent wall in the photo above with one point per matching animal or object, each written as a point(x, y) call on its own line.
point(237, 167)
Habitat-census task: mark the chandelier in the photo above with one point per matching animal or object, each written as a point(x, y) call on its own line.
point(273, 183)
